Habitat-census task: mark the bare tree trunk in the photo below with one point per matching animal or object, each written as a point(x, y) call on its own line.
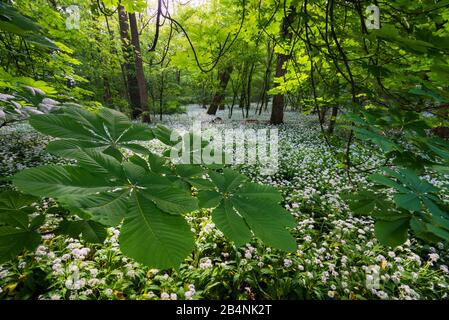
point(107, 96)
point(219, 96)
point(248, 88)
point(161, 96)
point(263, 99)
point(277, 111)
point(203, 96)
point(332, 120)
point(141, 83)
point(243, 91)
point(114, 51)
point(129, 65)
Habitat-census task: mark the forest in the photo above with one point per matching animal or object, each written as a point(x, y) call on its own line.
point(224, 150)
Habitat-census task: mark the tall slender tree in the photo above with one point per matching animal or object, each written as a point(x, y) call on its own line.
point(140, 76)
point(277, 111)
point(223, 76)
point(129, 64)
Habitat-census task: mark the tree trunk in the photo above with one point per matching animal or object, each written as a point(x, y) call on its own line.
point(330, 129)
point(248, 88)
point(128, 64)
point(263, 99)
point(243, 91)
point(161, 96)
point(277, 111)
point(124, 93)
point(141, 83)
point(219, 96)
point(107, 96)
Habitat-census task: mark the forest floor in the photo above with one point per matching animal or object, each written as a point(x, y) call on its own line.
point(338, 256)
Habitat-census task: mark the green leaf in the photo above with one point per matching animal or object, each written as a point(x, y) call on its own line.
point(168, 197)
point(366, 202)
point(12, 21)
point(107, 208)
point(427, 93)
point(137, 160)
point(158, 164)
point(439, 148)
point(268, 222)
point(383, 142)
point(227, 181)
point(60, 126)
point(412, 180)
point(421, 230)
point(37, 222)
point(68, 148)
point(90, 231)
point(96, 161)
point(106, 129)
point(14, 208)
point(189, 171)
point(135, 132)
point(408, 201)
point(392, 233)
point(55, 181)
point(209, 199)
point(435, 209)
point(193, 175)
point(40, 40)
point(134, 147)
point(256, 191)
point(231, 223)
point(163, 134)
point(439, 232)
point(134, 172)
point(14, 241)
point(153, 237)
point(382, 180)
point(441, 169)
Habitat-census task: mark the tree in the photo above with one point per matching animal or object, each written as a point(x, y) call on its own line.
point(143, 93)
point(129, 64)
point(223, 76)
point(277, 111)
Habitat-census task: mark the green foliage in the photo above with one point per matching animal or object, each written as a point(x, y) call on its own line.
point(17, 228)
point(147, 196)
point(106, 131)
point(415, 202)
point(244, 206)
point(14, 22)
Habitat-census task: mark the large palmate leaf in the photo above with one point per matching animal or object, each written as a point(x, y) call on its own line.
point(231, 223)
point(376, 138)
point(98, 162)
point(166, 195)
point(161, 190)
point(107, 129)
point(13, 22)
point(14, 209)
point(13, 241)
point(107, 208)
point(55, 181)
point(90, 231)
point(17, 229)
point(392, 233)
point(245, 207)
point(194, 176)
point(367, 202)
point(267, 221)
point(153, 237)
point(145, 193)
point(227, 181)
